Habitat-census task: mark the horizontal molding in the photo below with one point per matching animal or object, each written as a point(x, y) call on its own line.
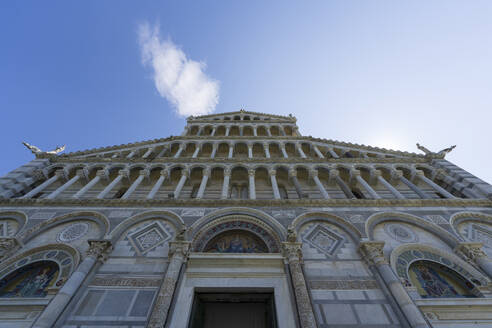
point(287, 203)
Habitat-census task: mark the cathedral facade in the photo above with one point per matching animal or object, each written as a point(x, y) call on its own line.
point(243, 222)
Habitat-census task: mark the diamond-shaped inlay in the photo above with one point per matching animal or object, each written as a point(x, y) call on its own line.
point(324, 239)
point(149, 238)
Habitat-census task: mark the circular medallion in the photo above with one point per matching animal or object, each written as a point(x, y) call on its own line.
point(400, 232)
point(73, 232)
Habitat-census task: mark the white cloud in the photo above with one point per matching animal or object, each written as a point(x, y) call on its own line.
point(180, 80)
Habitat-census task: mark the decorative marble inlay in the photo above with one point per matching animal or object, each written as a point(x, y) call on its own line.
point(73, 232)
point(193, 212)
point(149, 237)
point(400, 233)
point(284, 214)
point(323, 239)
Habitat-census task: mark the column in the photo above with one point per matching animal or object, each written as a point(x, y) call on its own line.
point(141, 175)
point(295, 181)
point(98, 250)
point(301, 152)
point(420, 175)
point(99, 174)
point(252, 188)
point(214, 150)
point(148, 152)
point(225, 184)
point(119, 177)
point(231, 150)
point(200, 130)
point(282, 131)
point(181, 147)
point(267, 151)
point(241, 131)
point(356, 174)
point(372, 252)
point(182, 180)
point(228, 129)
point(162, 152)
point(42, 186)
point(322, 190)
point(399, 175)
point(316, 150)
point(386, 184)
point(115, 155)
point(131, 154)
point(197, 150)
point(273, 180)
point(332, 153)
point(268, 131)
point(472, 252)
point(255, 131)
point(335, 175)
point(158, 184)
point(293, 255)
point(214, 129)
point(284, 152)
point(66, 185)
point(203, 184)
point(178, 251)
point(250, 151)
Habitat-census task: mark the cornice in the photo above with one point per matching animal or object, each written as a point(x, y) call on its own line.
point(261, 138)
point(242, 111)
point(256, 122)
point(282, 160)
point(18, 202)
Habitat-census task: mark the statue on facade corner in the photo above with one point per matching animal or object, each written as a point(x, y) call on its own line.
point(440, 154)
point(38, 152)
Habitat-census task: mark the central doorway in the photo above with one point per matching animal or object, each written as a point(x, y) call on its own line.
point(238, 310)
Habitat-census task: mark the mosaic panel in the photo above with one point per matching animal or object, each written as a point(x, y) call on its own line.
point(237, 225)
point(32, 280)
point(236, 241)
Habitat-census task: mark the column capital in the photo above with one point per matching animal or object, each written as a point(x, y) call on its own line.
point(470, 250)
point(62, 174)
point(99, 249)
point(272, 172)
point(103, 174)
point(83, 173)
point(251, 172)
point(206, 171)
point(313, 173)
point(164, 173)
point(125, 173)
point(266, 144)
point(334, 173)
point(292, 173)
point(227, 171)
point(372, 252)
point(144, 172)
point(179, 247)
point(292, 251)
point(185, 172)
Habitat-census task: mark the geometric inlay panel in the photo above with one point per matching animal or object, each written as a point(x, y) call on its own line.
point(149, 238)
point(323, 239)
point(400, 233)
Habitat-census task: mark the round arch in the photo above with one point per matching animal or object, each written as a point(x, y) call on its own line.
point(65, 256)
point(461, 217)
point(96, 217)
point(278, 230)
point(348, 227)
point(19, 217)
point(404, 255)
point(176, 221)
point(377, 218)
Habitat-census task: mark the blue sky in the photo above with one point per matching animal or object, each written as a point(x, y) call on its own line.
point(383, 73)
